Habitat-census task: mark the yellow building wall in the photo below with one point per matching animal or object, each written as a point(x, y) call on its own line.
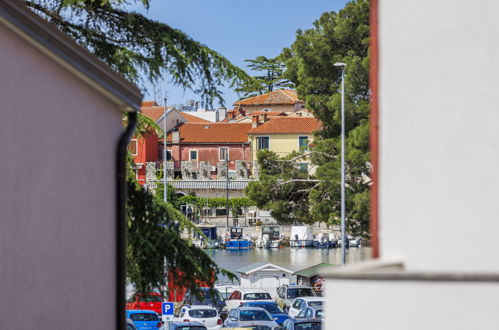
point(281, 144)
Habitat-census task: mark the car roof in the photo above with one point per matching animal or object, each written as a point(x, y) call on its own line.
point(315, 298)
point(196, 306)
point(182, 324)
point(260, 302)
point(147, 311)
point(296, 286)
point(245, 308)
point(252, 290)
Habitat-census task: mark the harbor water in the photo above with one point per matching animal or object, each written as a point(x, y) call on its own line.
point(290, 258)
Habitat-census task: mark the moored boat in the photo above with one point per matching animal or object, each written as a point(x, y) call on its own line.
point(301, 236)
point(270, 237)
point(236, 241)
point(325, 240)
point(210, 241)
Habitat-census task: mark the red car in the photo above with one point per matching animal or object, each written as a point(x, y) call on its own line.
point(151, 301)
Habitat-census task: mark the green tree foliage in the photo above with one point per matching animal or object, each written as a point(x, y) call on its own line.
point(154, 237)
point(271, 78)
point(137, 47)
point(282, 188)
point(335, 37)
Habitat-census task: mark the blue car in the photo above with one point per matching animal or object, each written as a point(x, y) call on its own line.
point(144, 319)
point(273, 308)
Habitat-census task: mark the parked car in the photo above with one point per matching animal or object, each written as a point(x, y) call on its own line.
point(226, 289)
point(250, 317)
point(304, 302)
point(185, 326)
point(206, 315)
point(310, 313)
point(151, 301)
point(274, 310)
point(287, 293)
point(144, 319)
point(238, 297)
point(302, 324)
point(208, 297)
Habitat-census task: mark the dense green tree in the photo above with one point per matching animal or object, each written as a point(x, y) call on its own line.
point(335, 37)
point(270, 79)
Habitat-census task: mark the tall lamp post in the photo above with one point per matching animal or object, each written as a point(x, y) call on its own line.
point(165, 155)
point(343, 234)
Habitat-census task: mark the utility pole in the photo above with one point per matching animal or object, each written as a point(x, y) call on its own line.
point(343, 234)
point(165, 154)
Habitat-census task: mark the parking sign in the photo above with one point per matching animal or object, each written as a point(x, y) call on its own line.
point(167, 310)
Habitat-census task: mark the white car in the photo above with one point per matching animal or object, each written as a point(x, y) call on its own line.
point(204, 314)
point(240, 296)
point(303, 302)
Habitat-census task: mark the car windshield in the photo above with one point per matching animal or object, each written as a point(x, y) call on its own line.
point(256, 296)
point(209, 295)
point(144, 317)
point(308, 326)
point(271, 308)
point(300, 292)
point(315, 303)
point(202, 313)
point(150, 298)
point(319, 314)
point(254, 315)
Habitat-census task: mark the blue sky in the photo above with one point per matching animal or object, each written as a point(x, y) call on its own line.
point(237, 29)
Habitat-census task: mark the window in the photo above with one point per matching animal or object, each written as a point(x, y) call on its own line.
point(144, 317)
point(202, 313)
point(168, 154)
point(132, 146)
point(254, 315)
point(297, 303)
point(262, 142)
point(193, 155)
point(303, 143)
point(223, 153)
point(257, 296)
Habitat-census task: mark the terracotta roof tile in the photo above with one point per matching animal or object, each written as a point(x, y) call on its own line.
point(193, 119)
point(269, 113)
point(282, 96)
point(288, 125)
point(154, 112)
point(213, 133)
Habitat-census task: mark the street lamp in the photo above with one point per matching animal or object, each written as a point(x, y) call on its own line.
point(343, 234)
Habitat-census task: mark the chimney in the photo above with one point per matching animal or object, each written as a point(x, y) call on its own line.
point(255, 121)
point(264, 118)
point(242, 112)
point(176, 136)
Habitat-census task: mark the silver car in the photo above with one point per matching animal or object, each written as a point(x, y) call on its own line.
point(254, 317)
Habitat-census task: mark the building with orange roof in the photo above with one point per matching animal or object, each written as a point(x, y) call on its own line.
point(283, 135)
point(148, 148)
point(202, 150)
point(282, 100)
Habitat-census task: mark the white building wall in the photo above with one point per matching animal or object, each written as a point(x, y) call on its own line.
point(439, 141)
point(438, 186)
point(58, 142)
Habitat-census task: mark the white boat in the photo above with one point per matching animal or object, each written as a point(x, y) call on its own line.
point(270, 237)
point(301, 236)
point(352, 241)
point(326, 240)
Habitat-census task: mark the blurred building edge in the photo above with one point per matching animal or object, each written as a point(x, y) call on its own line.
point(436, 80)
point(60, 126)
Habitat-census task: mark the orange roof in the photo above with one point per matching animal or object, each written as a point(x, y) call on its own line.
point(288, 125)
point(213, 133)
point(148, 104)
point(269, 113)
point(154, 112)
point(194, 119)
point(282, 96)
